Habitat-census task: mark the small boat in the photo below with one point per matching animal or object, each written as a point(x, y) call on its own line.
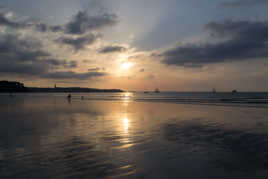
point(234, 91)
point(156, 90)
point(146, 92)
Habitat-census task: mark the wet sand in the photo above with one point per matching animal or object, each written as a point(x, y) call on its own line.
point(51, 137)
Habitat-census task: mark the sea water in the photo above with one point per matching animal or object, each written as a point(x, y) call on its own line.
point(134, 135)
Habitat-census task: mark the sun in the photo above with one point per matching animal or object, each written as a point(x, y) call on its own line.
point(126, 65)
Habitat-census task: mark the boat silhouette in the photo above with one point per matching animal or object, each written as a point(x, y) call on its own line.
point(156, 90)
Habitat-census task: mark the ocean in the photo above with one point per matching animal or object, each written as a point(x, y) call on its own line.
point(134, 135)
point(249, 99)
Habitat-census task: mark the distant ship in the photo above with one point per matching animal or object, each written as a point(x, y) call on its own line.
point(234, 91)
point(146, 91)
point(156, 90)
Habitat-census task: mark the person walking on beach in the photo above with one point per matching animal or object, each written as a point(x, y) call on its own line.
point(69, 96)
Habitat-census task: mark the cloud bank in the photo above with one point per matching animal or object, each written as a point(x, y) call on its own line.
point(24, 55)
point(237, 3)
point(238, 40)
point(80, 42)
point(82, 22)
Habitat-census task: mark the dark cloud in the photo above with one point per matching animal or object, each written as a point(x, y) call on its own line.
point(42, 27)
point(20, 56)
point(73, 75)
point(112, 49)
point(242, 30)
point(78, 33)
point(38, 26)
point(72, 64)
point(82, 22)
point(12, 47)
point(241, 40)
point(79, 43)
point(94, 69)
point(19, 50)
point(5, 21)
point(25, 56)
point(236, 3)
point(61, 63)
point(22, 68)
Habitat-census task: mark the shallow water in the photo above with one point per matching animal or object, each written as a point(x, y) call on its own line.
point(47, 136)
point(249, 99)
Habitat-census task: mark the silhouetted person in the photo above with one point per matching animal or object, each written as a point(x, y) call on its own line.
point(82, 97)
point(69, 96)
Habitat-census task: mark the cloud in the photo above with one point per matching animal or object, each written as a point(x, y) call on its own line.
point(22, 68)
point(5, 21)
point(73, 75)
point(22, 50)
point(241, 40)
point(112, 49)
point(94, 69)
point(236, 3)
point(26, 24)
point(43, 27)
point(82, 22)
point(61, 63)
point(79, 43)
point(20, 56)
point(24, 55)
point(12, 47)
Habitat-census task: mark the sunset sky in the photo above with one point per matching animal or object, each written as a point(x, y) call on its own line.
point(178, 45)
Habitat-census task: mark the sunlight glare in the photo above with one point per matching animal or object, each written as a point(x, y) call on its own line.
point(126, 65)
point(125, 122)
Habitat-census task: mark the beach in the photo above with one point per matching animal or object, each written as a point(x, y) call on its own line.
point(49, 136)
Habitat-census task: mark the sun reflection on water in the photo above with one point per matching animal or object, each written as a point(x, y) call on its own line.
point(125, 124)
point(127, 96)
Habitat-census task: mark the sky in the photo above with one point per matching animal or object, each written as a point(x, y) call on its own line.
point(173, 45)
